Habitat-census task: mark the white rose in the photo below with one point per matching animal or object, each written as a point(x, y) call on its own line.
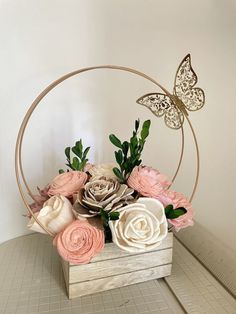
point(55, 215)
point(103, 170)
point(141, 226)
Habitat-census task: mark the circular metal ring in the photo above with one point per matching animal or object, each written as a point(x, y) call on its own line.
point(18, 156)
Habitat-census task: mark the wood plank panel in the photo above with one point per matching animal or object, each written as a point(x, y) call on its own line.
point(112, 251)
point(65, 268)
point(102, 284)
point(118, 266)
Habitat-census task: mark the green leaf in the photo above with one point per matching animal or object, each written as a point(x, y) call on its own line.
point(173, 214)
point(130, 154)
point(182, 208)
point(78, 148)
point(137, 122)
point(145, 129)
point(70, 166)
point(138, 162)
point(76, 163)
point(85, 152)
point(119, 157)
point(115, 141)
point(125, 147)
point(76, 151)
point(107, 232)
point(61, 171)
point(67, 152)
point(126, 165)
point(79, 145)
point(82, 164)
point(133, 145)
point(104, 216)
point(114, 215)
point(118, 173)
point(168, 208)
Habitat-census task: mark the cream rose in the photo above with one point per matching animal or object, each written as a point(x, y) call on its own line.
point(141, 226)
point(103, 170)
point(68, 183)
point(55, 215)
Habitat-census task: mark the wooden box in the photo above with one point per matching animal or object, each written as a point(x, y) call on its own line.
point(114, 268)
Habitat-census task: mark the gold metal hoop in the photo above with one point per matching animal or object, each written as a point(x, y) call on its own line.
point(18, 156)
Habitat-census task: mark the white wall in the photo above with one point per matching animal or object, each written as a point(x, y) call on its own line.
point(42, 40)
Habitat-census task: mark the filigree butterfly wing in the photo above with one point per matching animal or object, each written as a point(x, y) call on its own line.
point(174, 118)
point(192, 97)
point(161, 104)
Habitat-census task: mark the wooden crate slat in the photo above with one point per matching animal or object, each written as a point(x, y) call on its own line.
point(103, 284)
point(120, 265)
point(111, 251)
point(115, 268)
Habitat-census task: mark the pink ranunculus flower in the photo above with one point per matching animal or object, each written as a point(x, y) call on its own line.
point(79, 242)
point(148, 181)
point(178, 200)
point(67, 183)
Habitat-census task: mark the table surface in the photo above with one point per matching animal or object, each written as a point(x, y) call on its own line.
point(32, 282)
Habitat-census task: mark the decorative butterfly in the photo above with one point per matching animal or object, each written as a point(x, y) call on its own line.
point(185, 96)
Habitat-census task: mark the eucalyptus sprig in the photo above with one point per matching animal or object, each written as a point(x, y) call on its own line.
point(129, 154)
point(79, 160)
point(172, 213)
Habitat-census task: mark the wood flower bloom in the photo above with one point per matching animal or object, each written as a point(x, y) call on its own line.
point(79, 242)
point(68, 183)
point(55, 215)
point(103, 170)
point(141, 226)
point(147, 181)
point(101, 194)
point(178, 200)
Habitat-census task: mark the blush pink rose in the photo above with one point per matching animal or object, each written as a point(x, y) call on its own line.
point(67, 183)
point(79, 242)
point(178, 200)
point(148, 181)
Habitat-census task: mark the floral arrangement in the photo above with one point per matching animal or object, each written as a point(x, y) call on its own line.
point(125, 202)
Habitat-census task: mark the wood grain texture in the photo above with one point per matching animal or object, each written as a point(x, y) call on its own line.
point(120, 265)
point(103, 284)
point(65, 268)
point(112, 251)
point(114, 268)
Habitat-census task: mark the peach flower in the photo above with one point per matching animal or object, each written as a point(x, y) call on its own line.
point(178, 200)
point(79, 242)
point(68, 183)
point(148, 181)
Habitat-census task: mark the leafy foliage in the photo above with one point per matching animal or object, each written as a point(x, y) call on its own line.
point(78, 161)
point(105, 219)
point(172, 213)
point(129, 154)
